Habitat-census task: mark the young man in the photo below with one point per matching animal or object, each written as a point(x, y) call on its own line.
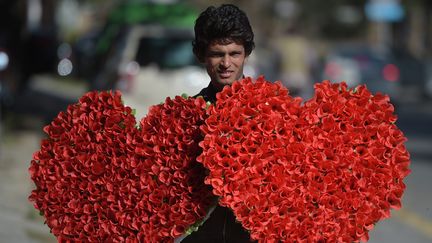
point(223, 41)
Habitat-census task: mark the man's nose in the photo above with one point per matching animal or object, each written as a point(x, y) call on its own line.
point(226, 61)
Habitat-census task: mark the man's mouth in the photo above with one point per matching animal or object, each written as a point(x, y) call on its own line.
point(225, 74)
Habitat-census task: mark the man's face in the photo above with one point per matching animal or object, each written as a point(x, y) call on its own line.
point(224, 62)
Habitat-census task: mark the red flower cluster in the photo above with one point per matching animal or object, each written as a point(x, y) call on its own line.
point(168, 142)
point(100, 178)
point(325, 171)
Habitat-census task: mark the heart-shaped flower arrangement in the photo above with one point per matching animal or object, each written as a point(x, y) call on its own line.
point(323, 171)
point(327, 170)
point(101, 178)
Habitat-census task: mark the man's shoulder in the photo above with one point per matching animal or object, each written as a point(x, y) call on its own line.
point(208, 93)
point(202, 93)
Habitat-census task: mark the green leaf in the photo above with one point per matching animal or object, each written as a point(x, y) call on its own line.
point(208, 104)
point(122, 125)
point(197, 224)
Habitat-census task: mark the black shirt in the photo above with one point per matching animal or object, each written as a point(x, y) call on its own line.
point(208, 93)
point(221, 226)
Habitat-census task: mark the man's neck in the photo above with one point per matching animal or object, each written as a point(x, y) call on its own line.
point(216, 86)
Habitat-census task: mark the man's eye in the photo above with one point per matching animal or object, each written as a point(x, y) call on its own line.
point(214, 54)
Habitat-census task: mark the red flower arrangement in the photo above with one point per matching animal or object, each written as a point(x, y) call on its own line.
point(324, 171)
point(100, 178)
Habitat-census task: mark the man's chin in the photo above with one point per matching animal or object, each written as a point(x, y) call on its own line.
point(227, 81)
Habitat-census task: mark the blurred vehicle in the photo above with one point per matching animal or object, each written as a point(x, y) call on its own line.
point(23, 60)
point(150, 55)
point(98, 55)
point(391, 72)
point(413, 75)
point(144, 49)
point(31, 54)
point(6, 94)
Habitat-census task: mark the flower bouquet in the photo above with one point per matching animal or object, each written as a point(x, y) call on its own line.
point(323, 171)
point(99, 177)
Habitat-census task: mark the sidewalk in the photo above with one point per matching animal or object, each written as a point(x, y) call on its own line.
point(19, 221)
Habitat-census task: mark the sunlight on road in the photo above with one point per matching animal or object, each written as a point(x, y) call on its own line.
point(415, 221)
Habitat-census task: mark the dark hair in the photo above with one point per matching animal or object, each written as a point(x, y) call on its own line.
point(226, 23)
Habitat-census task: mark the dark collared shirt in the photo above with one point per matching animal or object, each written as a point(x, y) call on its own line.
point(208, 93)
point(221, 226)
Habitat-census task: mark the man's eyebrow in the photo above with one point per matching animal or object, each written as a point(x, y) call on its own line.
point(217, 52)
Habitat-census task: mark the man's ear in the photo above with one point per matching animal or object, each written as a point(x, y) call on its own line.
point(200, 60)
point(198, 57)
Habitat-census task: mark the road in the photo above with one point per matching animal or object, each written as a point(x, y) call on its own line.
point(19, 222)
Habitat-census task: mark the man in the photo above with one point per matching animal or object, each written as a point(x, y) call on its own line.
point(223, 42)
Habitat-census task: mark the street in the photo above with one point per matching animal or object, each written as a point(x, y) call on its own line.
point(19, 222)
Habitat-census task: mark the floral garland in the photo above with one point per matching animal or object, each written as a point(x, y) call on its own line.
point(324, 171)
point(100, 178)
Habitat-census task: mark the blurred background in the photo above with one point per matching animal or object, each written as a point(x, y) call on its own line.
point(53, 51)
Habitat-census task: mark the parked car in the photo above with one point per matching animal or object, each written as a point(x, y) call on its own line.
point(413, 75)
point(6, 94)
point(150, 62)
point(391, 71)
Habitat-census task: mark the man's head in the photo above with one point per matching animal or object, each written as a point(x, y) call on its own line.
point(223, 41)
